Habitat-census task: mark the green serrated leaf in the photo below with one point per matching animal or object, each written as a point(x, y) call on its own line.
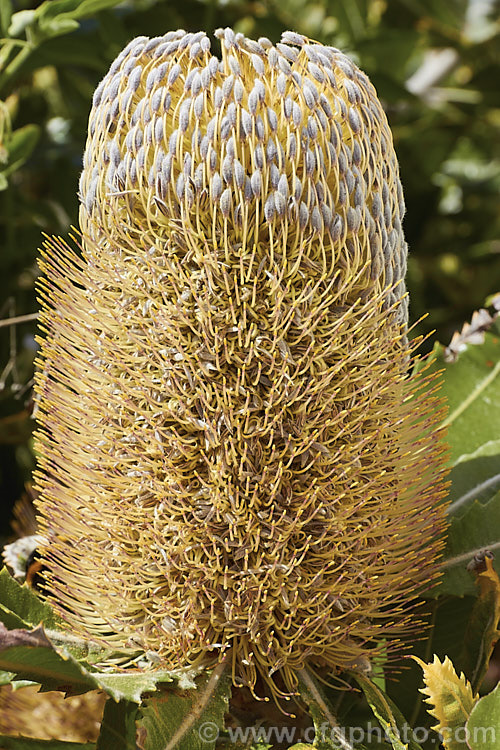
point(118, 726)
point(476, 529)
point(7, 678)
point(471, 385)
point(30, 655)
point(185, 720)
point(390, 718)
point(328, 734)
point(133, 685)
point(483, 725)
point(24, 743)
point(20, 606)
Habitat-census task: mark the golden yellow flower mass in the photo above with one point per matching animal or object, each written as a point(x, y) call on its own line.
point(233, 460)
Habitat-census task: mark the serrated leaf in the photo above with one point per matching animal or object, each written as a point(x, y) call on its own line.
point(390, 718)
point(118, 726)
point(185, 720)
point(7, 678)
point(30, 655)
point(482, 629)
point(328, 734)
point(476, 529)
point(471, 385)
point(451, 699)
point(20, 606)
point(57, 17)
point(24, 743)
point(483, 725)
point(132, 685)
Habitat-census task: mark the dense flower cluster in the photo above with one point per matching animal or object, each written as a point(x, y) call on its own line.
point(230, 459)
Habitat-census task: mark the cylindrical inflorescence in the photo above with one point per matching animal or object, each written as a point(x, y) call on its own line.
point(232, 455)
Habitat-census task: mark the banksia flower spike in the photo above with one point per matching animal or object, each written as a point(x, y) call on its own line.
point(233, 460)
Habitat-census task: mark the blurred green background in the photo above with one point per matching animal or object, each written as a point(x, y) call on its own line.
point(435, 64)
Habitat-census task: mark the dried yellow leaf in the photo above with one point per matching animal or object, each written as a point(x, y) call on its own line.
point(451, 698)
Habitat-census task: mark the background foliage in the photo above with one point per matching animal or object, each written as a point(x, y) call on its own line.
point(435, 64)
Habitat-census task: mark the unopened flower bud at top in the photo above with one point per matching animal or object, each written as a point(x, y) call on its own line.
point(233, 460)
